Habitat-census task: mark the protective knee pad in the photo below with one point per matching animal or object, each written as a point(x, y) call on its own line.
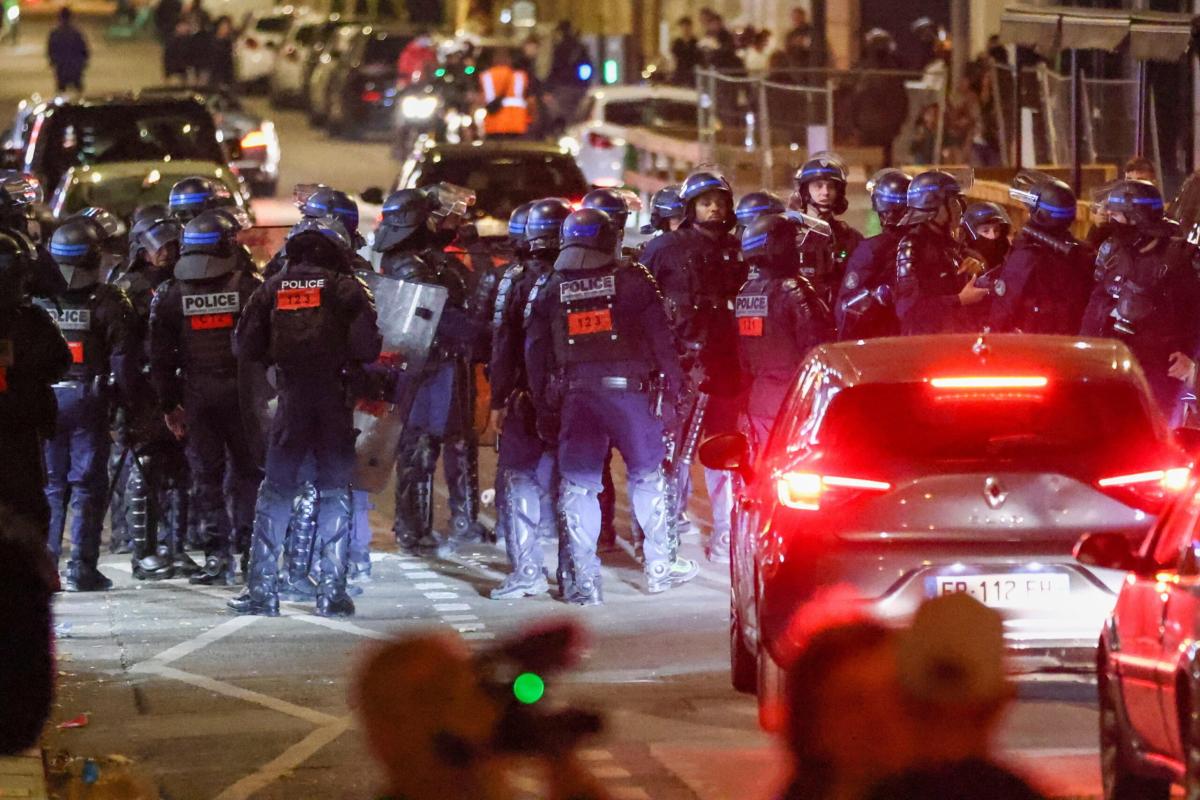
point(522, 514)
point(579, 516)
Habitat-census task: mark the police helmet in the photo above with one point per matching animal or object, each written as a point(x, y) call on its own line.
point(517, 222)
point(823, 166)
point(589, 239)
point(701, 183)
point(770, 242)
point(149, 235)
point(879, 40)
point(327, 202)
point(150, 211)
point(758, 204)
point(209, 247)
point(18, 190)
point(192, 195)
point(889, 194)
point(317, 235)
point(979, 214)
point(611, 202)
point(112, 230)
point(404, 213)
point(928, 193)
point(1140, 202)
point(665, 205)
point(1051, 202)
point(543, 228)
point(75, 247)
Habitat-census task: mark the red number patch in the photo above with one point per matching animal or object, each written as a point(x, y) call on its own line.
point(750, 326)
point(583, 323)
point(76, 352)
point(209, 322)
point(297, 299)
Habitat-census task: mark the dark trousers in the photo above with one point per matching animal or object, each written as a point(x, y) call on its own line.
point(77, 470)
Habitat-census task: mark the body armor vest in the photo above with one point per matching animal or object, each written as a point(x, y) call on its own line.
point(77, 319)
point(210, 313)
point(766, 331)
point(587, 328)
point(305, 330)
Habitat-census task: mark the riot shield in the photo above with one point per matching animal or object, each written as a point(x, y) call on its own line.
point(408, 318)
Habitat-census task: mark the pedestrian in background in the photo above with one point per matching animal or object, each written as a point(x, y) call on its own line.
point(175, 53)
point(685, 53)
point(220, 54)
point(68, 53)
point(166, 14)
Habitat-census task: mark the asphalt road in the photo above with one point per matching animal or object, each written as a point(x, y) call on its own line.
point(216, 706)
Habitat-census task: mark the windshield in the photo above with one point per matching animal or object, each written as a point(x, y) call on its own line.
point(1075, 428)
point(503, 181)
point(651, 113)
point(76, 137)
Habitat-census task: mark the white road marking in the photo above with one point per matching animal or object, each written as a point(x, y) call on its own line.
point(285, 762)
point(413, 565)
point(477, 635)
point(424, 587)
point(343, 626)
point(211, 636)
point(422, 576)
point(468, 627)
point(451, 607)
point(459, 618)
point(442, 595)
point(610, 772)
point(238, 693)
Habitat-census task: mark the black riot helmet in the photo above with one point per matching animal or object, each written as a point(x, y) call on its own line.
point(932, 191)
point(589, 240)
point(319, 240)
point(150, 234)
point(405, 216)
point(889, 194)
point(769, 243)
point(665, 205)
point(823, 166)
point(979, 214)
point(543, 227)
point(696, 186)
point(611, 202)
point(112, 231)
point(1139, 202)
point(19, 195)
point(327, 202)
point(191, 196)
point(517, 222)
point(75, 248)
point(758, 204)
point(149, 211)
point(1051, 202)
point(209, 247)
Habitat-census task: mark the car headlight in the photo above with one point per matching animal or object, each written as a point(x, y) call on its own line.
point(413, 107)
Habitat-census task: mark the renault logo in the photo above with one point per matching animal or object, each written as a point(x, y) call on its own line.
point(994, 493)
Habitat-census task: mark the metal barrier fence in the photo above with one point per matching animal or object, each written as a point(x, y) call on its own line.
point(775, 114)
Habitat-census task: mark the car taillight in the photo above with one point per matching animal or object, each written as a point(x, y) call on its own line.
point(255, 138)
point(990, 382)
point(808, 491)
point(599, 141)
point(372, 96)
point(250, 44)
point(1146, 490)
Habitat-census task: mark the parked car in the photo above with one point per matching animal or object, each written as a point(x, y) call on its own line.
point(305, 40)
point(1148, 662)
point(362, 84)
point(317, 96)
point(908, 468)
point(251, 143)
point(598, 140)
point(255, 50)
point(152, 133)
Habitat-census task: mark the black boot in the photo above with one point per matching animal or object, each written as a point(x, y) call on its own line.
point(334, 514)
point(85, 578)
point(462, 483)
point(141, 522)
point(297, 581)
point(271, 516)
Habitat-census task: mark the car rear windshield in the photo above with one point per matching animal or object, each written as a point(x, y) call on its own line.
point(503, 181)
point(110, 134)
point(653, 113)
point(1075, 427)
point(384, 50)
point(273, 24)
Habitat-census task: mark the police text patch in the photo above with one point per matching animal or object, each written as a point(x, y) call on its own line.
point(583, 288)
point(75, 319)
point(195, 305)
point(751, 305)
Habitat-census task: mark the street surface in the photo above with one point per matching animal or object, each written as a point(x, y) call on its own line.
point(218, 706)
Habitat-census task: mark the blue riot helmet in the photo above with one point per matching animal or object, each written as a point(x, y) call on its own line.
point(319, 240)
point(589, 240)
point(769, 243)
point(611, 202)
point(665, 206)
point(149, 211)
point(543, 227)
point(517, 222)
point(193, 195)
point(405, 214)
point(889, 194)
point(210, 247)
point(149, 235)
point(933, 190)
point(981, 213)
point(696, 186)
point(821, 166)
point(327, 202)
point(112, 230)
point(758, 204)
point(1140, 203)
point(1051, 203)
point(75, 248)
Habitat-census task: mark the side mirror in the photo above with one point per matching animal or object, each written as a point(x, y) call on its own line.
point(1188, 439)
point(1107, 551)
point(726, 451)
point(373, 195)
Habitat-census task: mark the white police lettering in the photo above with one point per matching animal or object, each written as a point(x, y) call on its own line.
point(751, 305)
point(75, 319)
point(220, 303)
point(583, 288)
point(315, 283)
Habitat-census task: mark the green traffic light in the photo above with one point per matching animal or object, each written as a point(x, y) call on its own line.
point(528, 688)
point(439, 73)
point(470, 70)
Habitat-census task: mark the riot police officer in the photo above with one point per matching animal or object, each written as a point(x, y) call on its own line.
point(150, 493)
point(596, 338)
point(755, 205)
point(33, 356)
point(190, 196)
point(316, 201)
point(113, 234)
point(780, 317)
point(1148, 289)
point(700, 270)
point(98, 323)
point(932, 294)
point(1045, 281)
point(315, 322)
point(864, 308)
point(986, 227)
point(20, 199)
point(195, 375)
point(820, 189)
point(666, 214)
point(524, 470)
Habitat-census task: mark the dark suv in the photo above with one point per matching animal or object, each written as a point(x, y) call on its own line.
point(362, 86)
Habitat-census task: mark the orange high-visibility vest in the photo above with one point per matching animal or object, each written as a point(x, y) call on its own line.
point(510, 86)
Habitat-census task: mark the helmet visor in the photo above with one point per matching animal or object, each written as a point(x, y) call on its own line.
point(162, 234)
point(452, 200)
point(24, 189)
point(302, 191)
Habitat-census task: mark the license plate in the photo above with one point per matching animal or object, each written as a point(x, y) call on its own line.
point(1007, 589)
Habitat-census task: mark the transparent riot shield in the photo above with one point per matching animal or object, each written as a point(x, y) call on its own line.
point(409, 313)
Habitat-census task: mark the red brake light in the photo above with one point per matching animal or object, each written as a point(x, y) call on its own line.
point(255, 138)
point(372, 96)
point(1147, 490)
point(806, 491)
point(599, 141)
point(967, 382)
